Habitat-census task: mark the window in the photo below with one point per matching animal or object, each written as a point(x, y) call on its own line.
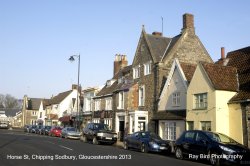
point(176, 99)
point(200, 101)
point(189, 135)
point(87, 104)
point(108, 105)
point(34, 113)
point(170, 131)
point(190, 125)
point(147, 68)
point(96, 120)
point(41, 114)
point(97, 105)
point(121, 100)
point(141, 95)
point(206, 125)
point(136, 72)
point(108, 121)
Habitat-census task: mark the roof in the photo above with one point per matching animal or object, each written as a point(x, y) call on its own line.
point(107, 90)
point(241, 60)
point(222, 77)
point(34, 103)
point(59, 98)
point(188, 70)
point(158, 45)
point(170, 115)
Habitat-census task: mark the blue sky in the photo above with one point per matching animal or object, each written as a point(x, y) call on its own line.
point(38, 36)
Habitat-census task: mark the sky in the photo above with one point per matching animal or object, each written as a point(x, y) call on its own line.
point(37, 37)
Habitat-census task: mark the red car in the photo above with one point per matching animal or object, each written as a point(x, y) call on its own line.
point(55, 131)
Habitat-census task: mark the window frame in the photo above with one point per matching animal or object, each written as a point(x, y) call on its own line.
point(198, 104)
point(147, 68)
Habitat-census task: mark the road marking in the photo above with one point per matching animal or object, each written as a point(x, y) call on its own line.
point(65, 147)
point(50, 142)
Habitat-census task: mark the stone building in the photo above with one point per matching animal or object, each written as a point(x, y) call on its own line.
point(153, 59)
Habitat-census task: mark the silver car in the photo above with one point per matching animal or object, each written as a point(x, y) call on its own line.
point(70, 132)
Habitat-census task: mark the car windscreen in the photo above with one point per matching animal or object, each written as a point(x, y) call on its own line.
point(150, 135)
point(101, 127)
point(71, 129)
point(217, 137)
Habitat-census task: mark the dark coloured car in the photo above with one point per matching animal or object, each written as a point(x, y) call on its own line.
point(215, 147)
point(38, 129)
point(32, 129)
point(70, 132)
point(55, 131)
point(45, 130)
point(98, 133)
point(146, 141)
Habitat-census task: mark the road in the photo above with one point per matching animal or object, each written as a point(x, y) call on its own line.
point(24, 149)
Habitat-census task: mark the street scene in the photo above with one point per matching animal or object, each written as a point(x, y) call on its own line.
point(154, 82)
point(20, 148)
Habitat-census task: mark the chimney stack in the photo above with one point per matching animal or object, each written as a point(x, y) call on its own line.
point(120, 62)
point(222, 52)
point(188, 22)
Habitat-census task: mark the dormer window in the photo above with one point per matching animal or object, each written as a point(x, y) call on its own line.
point(147, 68)
point(136, 72)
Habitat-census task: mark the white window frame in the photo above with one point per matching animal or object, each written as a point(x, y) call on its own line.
point(141, 95)
point(108, 103)
point(136, 72)
point(147, 68)
point(97, 104)
point(121, 100)
point(169, 131)
point(108, 121)
point(176, 99)
point(96, 120)
point(200, 101)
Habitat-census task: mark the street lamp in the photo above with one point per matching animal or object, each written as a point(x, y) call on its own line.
point(71, 59)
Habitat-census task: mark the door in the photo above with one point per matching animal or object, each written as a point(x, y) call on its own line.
point(121, 130)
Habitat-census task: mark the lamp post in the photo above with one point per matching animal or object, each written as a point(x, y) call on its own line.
point(77, 103)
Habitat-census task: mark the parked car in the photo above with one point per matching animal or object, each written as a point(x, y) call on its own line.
point(70, 132)
point(45, 130)
point(32, 129)
point(215, 147)
point(38, 129)
point(146, 141)
point(55, 131)
point(98, 133)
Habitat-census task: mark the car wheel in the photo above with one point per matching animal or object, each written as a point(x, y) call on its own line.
point(125, 145)
point(144, 148)
point(213, 159)
point(178, 153)
point(95, 141)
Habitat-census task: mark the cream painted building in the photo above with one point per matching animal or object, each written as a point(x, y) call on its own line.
point(208, 95)
point(172, 103)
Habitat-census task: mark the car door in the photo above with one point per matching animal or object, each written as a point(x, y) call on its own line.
point(188, 142)
point(200, 144)
point(132, 139)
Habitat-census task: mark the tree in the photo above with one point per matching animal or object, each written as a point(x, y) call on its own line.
point(8, 101)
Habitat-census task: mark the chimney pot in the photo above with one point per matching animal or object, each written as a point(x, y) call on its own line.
point(157, 33)
point(222, 52)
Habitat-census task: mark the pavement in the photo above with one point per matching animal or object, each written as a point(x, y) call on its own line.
point(119, 144)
